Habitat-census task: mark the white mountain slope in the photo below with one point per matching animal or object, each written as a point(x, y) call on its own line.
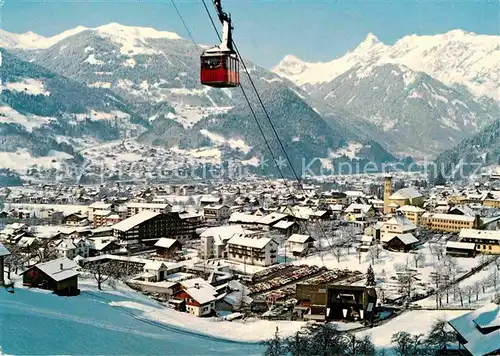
point(454, 58)
point(128, 36)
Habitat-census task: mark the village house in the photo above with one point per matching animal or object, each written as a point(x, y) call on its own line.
point(478, 332)
point(286, 228)
point(59, 275)
point(70, 248)
point(216, 212)
point(207, 200)
point(253, 250)
point(199, 297)
point(366, 243)
point(155, 271)
point(168, 248)
point(407, 196)
point(299, 245)
point(136, 208)
point(485, 241)
point(460, 249)
point(332, 198)
point(397, 225)
point(359, 212)
point(76, 219)
point(412, 213)
point(214, 240)
point(99, 206)
point(402, 242)
point(449, 222)
point(102, 245)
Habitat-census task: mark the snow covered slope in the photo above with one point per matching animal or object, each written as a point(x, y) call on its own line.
point(410, 112)
point(455, 58)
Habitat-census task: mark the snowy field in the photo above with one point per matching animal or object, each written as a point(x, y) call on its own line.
point(381, 335)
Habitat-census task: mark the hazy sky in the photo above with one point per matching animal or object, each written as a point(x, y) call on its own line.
point(266, 31)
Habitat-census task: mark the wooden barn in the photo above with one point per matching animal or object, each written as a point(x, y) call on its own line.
point(58, 275)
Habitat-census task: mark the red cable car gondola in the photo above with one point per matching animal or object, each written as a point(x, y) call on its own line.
point(219, 64)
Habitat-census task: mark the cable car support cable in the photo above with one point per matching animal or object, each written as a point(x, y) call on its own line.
point(297, 178)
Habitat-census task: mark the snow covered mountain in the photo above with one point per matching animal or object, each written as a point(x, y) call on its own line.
point(454, 58)
point(410, 112)
point(45, 117)
point(478, 151)
point(156, 73)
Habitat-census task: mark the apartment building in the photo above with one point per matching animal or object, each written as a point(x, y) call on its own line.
point(253, 250)
point(136, 208)
point(449, 222)
point(486, 241)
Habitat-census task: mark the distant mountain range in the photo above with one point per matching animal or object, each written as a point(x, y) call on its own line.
point(478, 151)
point(90, 85)
point(419, 96)
point(45, 114)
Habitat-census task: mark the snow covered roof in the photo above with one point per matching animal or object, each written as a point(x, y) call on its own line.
point(135, 220)
point(102, 212)
point(298, 238)
point(270, 219)
point(58, 269)
point(473, 327)
point(366, 238)
point(66, 244)
point(154, 266)
point(101, 205)
point(3, 251)
point(283, 224)
point(461, 245)
point(403, 222)
point(165, 242)
point(210, 199)
point(254, 242)
point(411, 209)
point(148, 205)
point(480, 234)
point(362, 207)
point(202, 294)
point(453, 217)
point(223, 233)
point(243, 218)
point(407, 239)
point(406, 193)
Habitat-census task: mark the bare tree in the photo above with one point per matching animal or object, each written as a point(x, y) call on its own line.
point(419, 259)
point(102, 272)
point(45, 252)
point(469, 290)
point(436, 250)
point(406, 285)
point(494, 278)
point(15, 260)
point(298, 344)
point(275, 346)
point(355, 346)
point(476, 288)
point(374, 253)
point(440, 336)
point(460, 292)
point(407, 344)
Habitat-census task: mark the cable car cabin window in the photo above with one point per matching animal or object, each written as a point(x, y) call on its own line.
point(211, 62)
